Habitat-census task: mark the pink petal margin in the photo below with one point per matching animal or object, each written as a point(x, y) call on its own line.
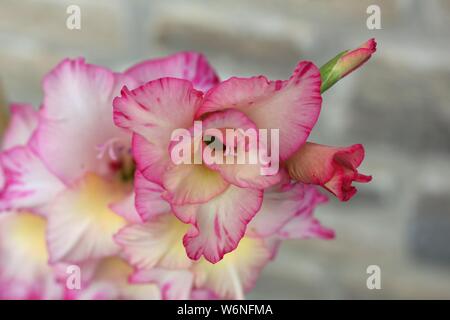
point(218, 225)
point(190, 66)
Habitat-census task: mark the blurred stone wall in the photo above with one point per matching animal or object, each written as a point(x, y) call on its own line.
point(398, 106)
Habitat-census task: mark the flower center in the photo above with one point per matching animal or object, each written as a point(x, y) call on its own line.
point(119, 158)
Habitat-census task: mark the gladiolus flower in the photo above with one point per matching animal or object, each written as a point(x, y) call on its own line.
point(217, 201)
point(90, 179)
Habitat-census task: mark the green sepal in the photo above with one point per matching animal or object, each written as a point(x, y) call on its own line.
point(327, 74)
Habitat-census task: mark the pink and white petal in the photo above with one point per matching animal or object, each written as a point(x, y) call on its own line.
point(282, 204)
point(24, 120)
point(153, 160)
point(149, 202)
point(185, 181)
point(190, 66)
point(291, 106)
point(153, 111)
point(226, 119)
point(115, 270)
point(192, 184)
point(126, 209)
point(174, 284)
point(28, 183)
point(305, 227)
point(24, 271)
point(219, 224)
point(75, 119)
point(245, 175)
point(81, 223)
point(157, 243)
point(237, 273)
point(241, 163)
point(45, 288)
